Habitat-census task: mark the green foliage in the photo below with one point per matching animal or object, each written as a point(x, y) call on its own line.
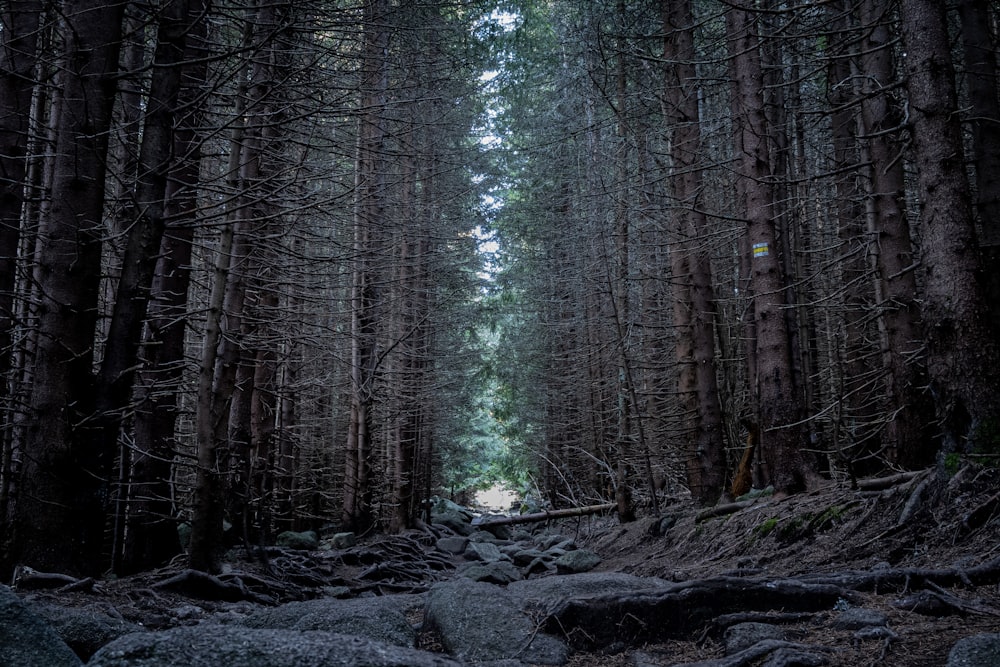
point(766, 526)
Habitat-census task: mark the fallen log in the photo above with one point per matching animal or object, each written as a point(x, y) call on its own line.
point(543, 516)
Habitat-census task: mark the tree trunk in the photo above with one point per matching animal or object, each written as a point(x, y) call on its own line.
point(368, 214)
point(779, 401)
point(59, 516)
point(981, 70)
point(151, 534)
point(18, 45)
point(963, 352)
point(691, 269)
point(906, 438)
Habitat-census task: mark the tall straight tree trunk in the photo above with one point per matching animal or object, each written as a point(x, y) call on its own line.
point(855, 435)
point(19, 30)
point(963, 350)
point(906, 438)
point(60, 509)
point(979, 48)
point(780, 407)
point(368, 213)
point(704, 448)
point(151, 534)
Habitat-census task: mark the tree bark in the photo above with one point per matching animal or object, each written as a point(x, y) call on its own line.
point(60, 510)
point(691, 266)
point(979, 49)
point(151, 534)
point(907, 439)
point(368, 213)
point(963, 350)
point(778, 399)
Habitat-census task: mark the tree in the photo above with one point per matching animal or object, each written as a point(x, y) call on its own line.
point(779, 401)
point(691, 266)
point(59, 514)
point(962, 349)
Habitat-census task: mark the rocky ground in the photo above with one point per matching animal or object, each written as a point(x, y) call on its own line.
point(895, 572)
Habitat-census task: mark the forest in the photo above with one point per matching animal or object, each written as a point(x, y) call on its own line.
point(271, 266)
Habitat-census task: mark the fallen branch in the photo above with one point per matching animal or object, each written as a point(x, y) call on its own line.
point(723, 510)
point(543, 516)
point(880, 483)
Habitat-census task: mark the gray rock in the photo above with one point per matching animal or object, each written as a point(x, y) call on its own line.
point(292, 540)
point(583, 585)
point(26, 640)
point(745, 635)
point(482, 536)
point(484, 551)
point(218, 646)
point(856, 618)
point(382, 619)
point(453, 521)
point(580, 560)
point(481, 622)
point(343, 540)
point(524, 557)
point(452, 545)
point(497, 572)
point(549, 540)
point(84, 630)
point(975, 651)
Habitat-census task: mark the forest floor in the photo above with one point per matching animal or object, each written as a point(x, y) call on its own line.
point(918, 525)
point(939, 533)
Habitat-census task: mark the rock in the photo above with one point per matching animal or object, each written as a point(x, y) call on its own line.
point(482, 622)
point(26, 640)
point(343, 540)
point(382, 619)
point(975, 651)
point(856, 618)
point(292, 540)
point(524, 557)
point(455, 522)
point(744, 635)
point(586, 584)
point(574, 562)
point(221, 645)
point(549, 540)
point(484, 551)
point(84, 630)
point(497, 572)
point(482, 536)
point(452, 545)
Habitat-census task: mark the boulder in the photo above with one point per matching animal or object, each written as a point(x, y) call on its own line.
point(497, 572)
point(452, 545)
point(343, 540)
point(580, 560)
point(292, 540)
point(218, 645)
point(549, 589)
point(382, 619)
point(484, 551)
point(480, 622)
point(84, 630)
point(975, 651)
point(26, 640)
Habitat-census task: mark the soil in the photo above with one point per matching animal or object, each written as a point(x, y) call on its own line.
point(924, 522)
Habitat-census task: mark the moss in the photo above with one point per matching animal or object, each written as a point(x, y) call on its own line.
point(766, 526)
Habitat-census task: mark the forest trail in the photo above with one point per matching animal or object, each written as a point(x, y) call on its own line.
point(884, 576)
